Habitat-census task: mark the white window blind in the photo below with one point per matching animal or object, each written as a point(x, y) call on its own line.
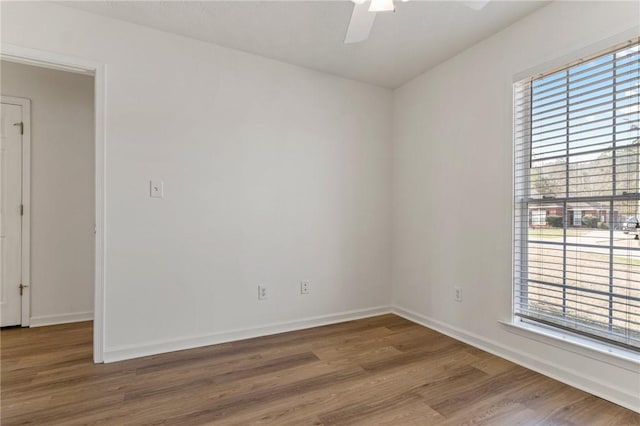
point(577, 197)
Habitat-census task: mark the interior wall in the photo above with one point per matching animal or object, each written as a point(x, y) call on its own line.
point(452, 191)
point(273, 174)
point(62, 190)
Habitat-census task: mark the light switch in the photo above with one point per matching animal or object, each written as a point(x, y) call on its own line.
point(155, 188)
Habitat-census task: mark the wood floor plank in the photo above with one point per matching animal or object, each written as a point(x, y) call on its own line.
point(383, 370)
point(353, 395)
point(415, 413)
point(271, 366)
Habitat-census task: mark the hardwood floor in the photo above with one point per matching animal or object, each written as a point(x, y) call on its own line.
point(382, 370)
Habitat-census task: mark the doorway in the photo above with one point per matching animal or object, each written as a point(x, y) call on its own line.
point(53, 61)
point(61, 214)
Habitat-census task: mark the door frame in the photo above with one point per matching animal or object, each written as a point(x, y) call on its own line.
point(25, 222)
point(44, 59)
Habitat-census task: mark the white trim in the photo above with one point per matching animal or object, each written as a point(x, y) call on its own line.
point(45, 59)
point(120, 353)
point(101, 207)
point(25, 231)
point(577, 53)
point(599, 351)
point(50, 60)
point(571, 377)
point(60, 319)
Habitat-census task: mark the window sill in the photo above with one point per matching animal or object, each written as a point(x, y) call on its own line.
point(600, 351)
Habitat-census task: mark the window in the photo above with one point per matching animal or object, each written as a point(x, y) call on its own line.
point(577, 218)
point(538, 217)
point(577, 180)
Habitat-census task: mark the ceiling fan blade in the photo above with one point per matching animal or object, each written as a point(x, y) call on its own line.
point(476, 4)
point(360, 24)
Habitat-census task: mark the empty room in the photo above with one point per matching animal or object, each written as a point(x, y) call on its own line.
point(320, 212)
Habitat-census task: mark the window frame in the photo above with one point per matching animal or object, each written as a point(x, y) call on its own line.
point(520, 228)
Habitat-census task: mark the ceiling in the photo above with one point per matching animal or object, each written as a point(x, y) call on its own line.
point(402, 45)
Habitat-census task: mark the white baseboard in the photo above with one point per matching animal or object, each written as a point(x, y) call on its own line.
point(43, 320)
point(564, 375)
point(135, 351)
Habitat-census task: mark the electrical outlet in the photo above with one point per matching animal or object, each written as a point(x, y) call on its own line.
point(458, 294)
point(263, 292)
point(156, 189)
point(304, 287)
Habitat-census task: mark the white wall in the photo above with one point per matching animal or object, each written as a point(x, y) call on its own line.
point(62, 190)
point(272, 174)
point(452, 186)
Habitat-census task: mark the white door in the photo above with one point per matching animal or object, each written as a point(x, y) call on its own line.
point(11, 215)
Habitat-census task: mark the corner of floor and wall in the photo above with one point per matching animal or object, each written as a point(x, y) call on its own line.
point(275, 174)
point(452, 193)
